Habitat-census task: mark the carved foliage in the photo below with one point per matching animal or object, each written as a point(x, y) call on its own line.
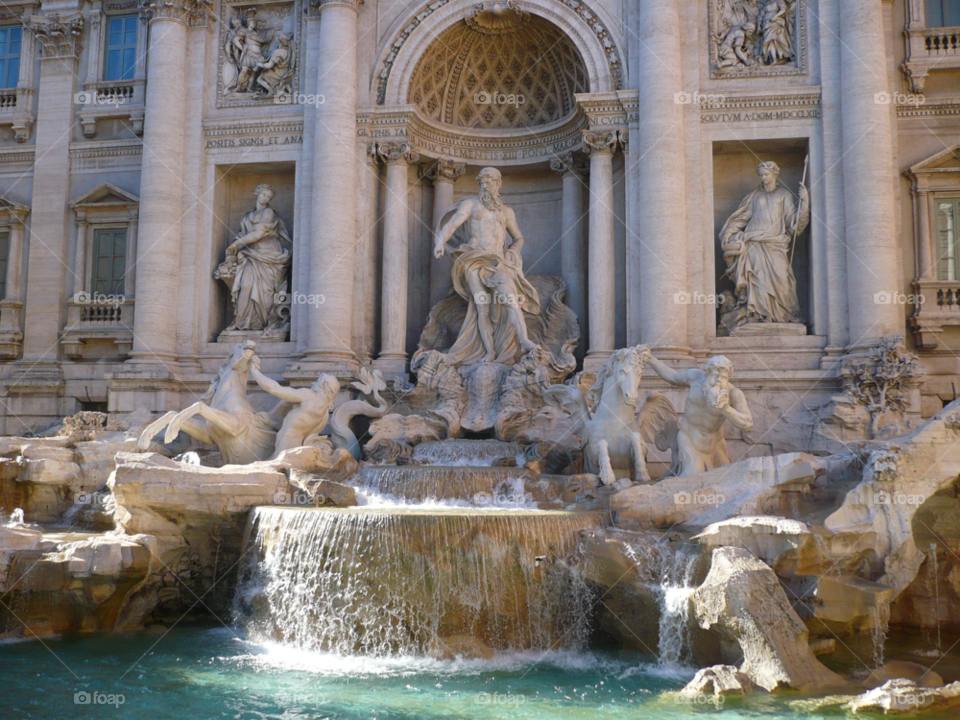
point(881, 383)
point(194, 13)
point(58, 38)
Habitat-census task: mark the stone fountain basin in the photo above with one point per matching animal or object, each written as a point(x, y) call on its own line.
point(414, 580)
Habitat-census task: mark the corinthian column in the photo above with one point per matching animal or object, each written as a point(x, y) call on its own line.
point(444, 174)
point(161, 186)
point(393, 313)
point(43, 315)
point(573, 170)
point(334, 220)
point(601, 261)
point(869, 174)
point(661, 230)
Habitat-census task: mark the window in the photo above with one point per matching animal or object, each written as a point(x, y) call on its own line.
point(943, 13)
point(10, 40)
point(948, 215)
point(109, 261)
point(4, 257)
point(121, 48)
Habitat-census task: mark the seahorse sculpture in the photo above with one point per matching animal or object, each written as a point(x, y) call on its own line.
point(371, 383)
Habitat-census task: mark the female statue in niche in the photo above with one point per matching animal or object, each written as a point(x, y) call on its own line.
point(257, 263)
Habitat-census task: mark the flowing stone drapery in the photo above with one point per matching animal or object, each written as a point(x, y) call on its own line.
point(601, 262)
point(869, 174)
point(444, 174)
point(161, 187)
point(661, 228)
point(43, 315)
point(573, 171)
point(335, 164)
point(393, 332)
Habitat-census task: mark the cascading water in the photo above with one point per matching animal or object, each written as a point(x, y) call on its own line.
point(467, 453)
point(669, 570)
point(405, 580)
point(880, 616)
point(936, 594)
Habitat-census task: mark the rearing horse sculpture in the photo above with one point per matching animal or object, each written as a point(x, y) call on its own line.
point(224, 417)
point(614, 435)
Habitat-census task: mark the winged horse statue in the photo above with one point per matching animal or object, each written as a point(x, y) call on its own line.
point(615, 433)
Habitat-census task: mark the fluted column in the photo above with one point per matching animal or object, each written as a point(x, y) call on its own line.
point(869, 174)
point(573, 170)
point(393, 312)
point(335, 164)
point(661, 230)
point(60, 43)
point(444, 174)
point(601, 261)
point(161, 185)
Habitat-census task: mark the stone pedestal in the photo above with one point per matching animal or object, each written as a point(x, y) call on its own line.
point(602, 261)
point(393, 313)
point(334, 220)
point(770, 330)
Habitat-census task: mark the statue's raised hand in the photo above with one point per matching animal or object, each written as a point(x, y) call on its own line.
point(438, 251)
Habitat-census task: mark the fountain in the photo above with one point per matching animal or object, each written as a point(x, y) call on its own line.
point(409, 580)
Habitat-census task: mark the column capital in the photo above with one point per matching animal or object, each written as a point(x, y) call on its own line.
point(59, 37)
point(318, 6)
point(446, 169)
point(570, 163)
point(193, 13)
point(599, 141)
point(397, 152)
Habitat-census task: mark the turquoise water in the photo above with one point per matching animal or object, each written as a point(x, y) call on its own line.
point(199, 672)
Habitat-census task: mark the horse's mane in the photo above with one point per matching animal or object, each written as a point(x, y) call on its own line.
point(623, 356)
point(227, 366)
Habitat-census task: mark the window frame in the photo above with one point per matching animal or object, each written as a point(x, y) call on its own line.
point(4, 59)
point(132, 70)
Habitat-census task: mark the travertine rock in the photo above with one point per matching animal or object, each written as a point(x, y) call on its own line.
point(903, 670)
point(749, 487)
point(742, 600)
point(905, 696)
point(719, 680)
point(790, 547)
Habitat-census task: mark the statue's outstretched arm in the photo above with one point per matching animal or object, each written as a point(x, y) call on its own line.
point(674, 377)
point(293, 395)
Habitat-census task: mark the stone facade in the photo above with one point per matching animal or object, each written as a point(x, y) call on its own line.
point(626, 133)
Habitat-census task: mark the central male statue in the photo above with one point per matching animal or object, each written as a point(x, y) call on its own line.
point(489, 276)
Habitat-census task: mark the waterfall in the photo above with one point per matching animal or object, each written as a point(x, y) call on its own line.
point(668, 569)
point(492, 486)
point(400, 581)
point(936, 594)
point(880, 614)
point(467, 453)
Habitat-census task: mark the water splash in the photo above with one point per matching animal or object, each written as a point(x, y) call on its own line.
point(360, 581)
point(16, 518)
point(482, 486)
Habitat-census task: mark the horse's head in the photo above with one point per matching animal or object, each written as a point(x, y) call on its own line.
point(625, 369)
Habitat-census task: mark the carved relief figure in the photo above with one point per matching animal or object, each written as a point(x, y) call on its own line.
point(489, 276)
point(699, 445)
point(757, 245)
point(754, 36)
point(256, 268)
point(258, 58)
